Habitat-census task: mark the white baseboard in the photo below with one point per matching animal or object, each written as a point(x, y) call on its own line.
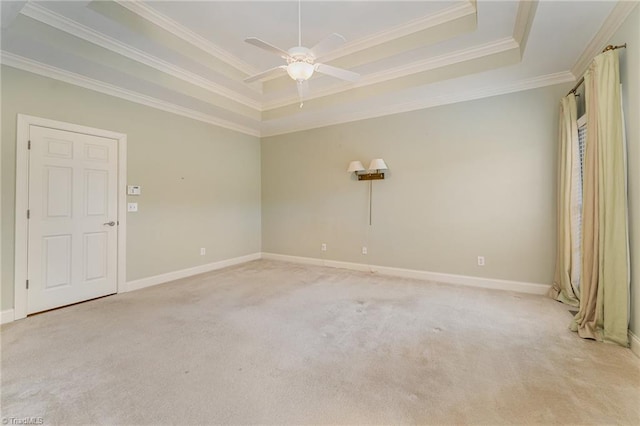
point(6, 316)
point(634, 343)
point(184, 273)
point(496, 284)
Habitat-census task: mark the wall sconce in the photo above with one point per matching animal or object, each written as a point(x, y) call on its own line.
point(373, 173)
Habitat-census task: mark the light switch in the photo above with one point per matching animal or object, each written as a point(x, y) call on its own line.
point(134, 190)
point(132, 207)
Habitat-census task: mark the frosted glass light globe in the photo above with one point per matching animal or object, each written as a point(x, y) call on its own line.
point(300, 71)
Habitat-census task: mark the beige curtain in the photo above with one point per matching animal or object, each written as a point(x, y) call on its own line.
point(604, 299)
point(565, 282)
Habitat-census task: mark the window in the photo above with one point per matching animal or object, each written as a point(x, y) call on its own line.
point(576, 202)
point(582, 142)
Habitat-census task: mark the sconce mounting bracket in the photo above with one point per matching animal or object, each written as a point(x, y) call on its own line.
point(371, 176)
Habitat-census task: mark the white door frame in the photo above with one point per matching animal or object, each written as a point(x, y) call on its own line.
point(22, 201)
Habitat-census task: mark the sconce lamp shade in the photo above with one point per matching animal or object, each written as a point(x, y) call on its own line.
point(355, 166)
point(378, 164)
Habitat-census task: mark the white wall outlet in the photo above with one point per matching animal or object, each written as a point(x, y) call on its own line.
point(203, 251)
point(132, 207)
point(364, 250)
point(323, 247)
point(480, 260)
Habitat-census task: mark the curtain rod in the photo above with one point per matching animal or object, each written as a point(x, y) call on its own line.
point(606, 49)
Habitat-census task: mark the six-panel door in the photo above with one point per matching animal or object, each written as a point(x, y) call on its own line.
point(73, 218)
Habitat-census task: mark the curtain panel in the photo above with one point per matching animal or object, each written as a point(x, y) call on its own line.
point(566, 278)
point(604, 295)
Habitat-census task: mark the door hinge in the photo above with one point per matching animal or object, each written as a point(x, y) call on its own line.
point(28, 214)
point(27, 284)
point(29, 145)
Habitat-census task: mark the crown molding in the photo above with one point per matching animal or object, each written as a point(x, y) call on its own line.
point(386, 109)
point(524, 20)
point(462, 55)
point(182, 32)
point(457, 57)
point(62, 23)
point(35, 67)
point(416, 25)
point(616, 18)
point(39, 68)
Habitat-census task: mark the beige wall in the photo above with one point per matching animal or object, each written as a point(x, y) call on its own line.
point(468, 179)
point(200, 183)
point(629, 71)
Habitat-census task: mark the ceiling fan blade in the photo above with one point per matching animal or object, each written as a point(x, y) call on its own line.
point(340, 73)
point(266, 46)
point(303, 90)
point(327, 45)
point(265, 74)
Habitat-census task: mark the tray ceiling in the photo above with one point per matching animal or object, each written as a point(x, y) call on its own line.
point(190, 58)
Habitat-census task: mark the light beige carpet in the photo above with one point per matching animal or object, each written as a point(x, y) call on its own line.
point(272, 342)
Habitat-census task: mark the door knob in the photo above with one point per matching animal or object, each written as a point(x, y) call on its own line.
point(112, 223)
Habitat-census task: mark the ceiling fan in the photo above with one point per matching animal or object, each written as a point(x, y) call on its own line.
point(302, 61)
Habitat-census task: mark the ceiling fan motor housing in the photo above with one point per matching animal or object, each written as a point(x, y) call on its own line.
point(301, 53)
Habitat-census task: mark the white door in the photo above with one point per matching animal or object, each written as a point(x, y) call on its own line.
point(72, 248)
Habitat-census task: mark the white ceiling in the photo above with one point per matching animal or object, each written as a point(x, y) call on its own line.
point(277, 22)
point(190, 57)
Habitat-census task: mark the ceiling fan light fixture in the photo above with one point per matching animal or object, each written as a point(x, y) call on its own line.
point(300, 70)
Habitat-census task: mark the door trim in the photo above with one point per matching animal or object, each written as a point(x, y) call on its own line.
point(22, 202)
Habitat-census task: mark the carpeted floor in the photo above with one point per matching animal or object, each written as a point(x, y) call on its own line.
point(272, 342)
